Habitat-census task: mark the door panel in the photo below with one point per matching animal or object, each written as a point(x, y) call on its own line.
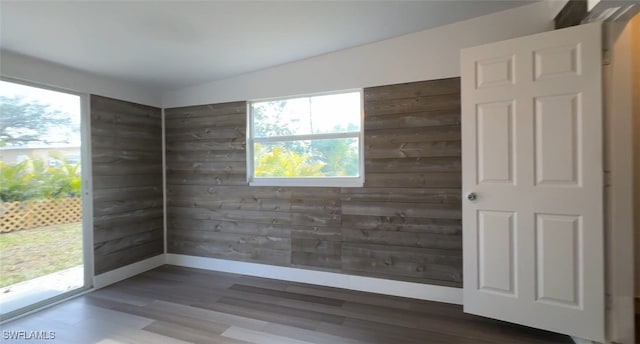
point(496, 257)
point(494, 72)
point(556, 127)
point(532, 153)
point(495, 142)
point(557, 62)
point(558, 270)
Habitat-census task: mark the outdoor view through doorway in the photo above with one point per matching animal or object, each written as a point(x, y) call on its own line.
point(41, 232)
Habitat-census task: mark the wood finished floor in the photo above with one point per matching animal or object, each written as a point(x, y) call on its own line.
point(176, 305)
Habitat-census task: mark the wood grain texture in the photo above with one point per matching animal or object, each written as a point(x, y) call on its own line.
point(176, 305)
point(126, 146)
point(405, 224)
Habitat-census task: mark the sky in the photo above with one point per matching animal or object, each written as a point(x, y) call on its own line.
point(64, 102)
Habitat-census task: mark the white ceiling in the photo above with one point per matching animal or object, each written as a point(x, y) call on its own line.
point(167, 45)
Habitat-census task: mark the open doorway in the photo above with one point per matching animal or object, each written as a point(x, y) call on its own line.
point(42, 243)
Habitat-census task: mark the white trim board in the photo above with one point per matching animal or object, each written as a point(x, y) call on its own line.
point(329, 279)
point(117, 275)
point(577, 340)
point(164, 180)
point(103, 280)
point(45, 306)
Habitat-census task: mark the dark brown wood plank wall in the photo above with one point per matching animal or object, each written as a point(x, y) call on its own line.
point(572, 14)
point(126, 146)
point(404, 224)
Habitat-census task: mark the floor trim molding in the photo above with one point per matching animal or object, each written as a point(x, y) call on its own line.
point(117, 275)
point(577, 340)
point(330, 279)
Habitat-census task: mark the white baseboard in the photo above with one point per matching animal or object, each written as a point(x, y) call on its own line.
point(117, 275)
point(577, 340)
point(330, 279)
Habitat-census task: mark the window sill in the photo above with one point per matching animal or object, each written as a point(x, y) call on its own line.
point(356, 182)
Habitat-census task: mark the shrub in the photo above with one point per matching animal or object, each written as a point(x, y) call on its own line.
point(33, 179)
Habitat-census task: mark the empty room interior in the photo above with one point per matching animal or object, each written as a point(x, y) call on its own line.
point(320, 171)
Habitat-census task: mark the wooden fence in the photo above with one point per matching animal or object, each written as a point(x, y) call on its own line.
point(39, 213)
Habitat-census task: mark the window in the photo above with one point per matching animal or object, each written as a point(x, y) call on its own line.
point(50, 261)
point(306, 141)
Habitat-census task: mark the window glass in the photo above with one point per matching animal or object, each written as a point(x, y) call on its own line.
point(306, 139)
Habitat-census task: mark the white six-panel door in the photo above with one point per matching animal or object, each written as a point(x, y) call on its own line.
point(532, 157)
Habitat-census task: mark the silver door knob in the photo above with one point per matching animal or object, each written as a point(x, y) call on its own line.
point(472, 196)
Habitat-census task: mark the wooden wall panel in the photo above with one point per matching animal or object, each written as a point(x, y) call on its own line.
point(404, 224)
point(126, 145)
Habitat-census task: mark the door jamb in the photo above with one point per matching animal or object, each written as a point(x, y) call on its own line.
point(618, 174)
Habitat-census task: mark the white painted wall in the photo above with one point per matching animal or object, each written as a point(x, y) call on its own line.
point(424, 55)
point(48, 74)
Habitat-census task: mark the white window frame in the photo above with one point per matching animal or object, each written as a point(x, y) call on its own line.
point(357, 181)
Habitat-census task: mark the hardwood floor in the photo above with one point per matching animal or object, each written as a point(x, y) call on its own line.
point(175, 305)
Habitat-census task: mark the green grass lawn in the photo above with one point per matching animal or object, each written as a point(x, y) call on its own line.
point(35, 252)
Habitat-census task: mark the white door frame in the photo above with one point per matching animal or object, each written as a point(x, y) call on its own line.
point(87, 203)
point(618, 162)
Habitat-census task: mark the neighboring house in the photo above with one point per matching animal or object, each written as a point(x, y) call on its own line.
point(13, 155)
